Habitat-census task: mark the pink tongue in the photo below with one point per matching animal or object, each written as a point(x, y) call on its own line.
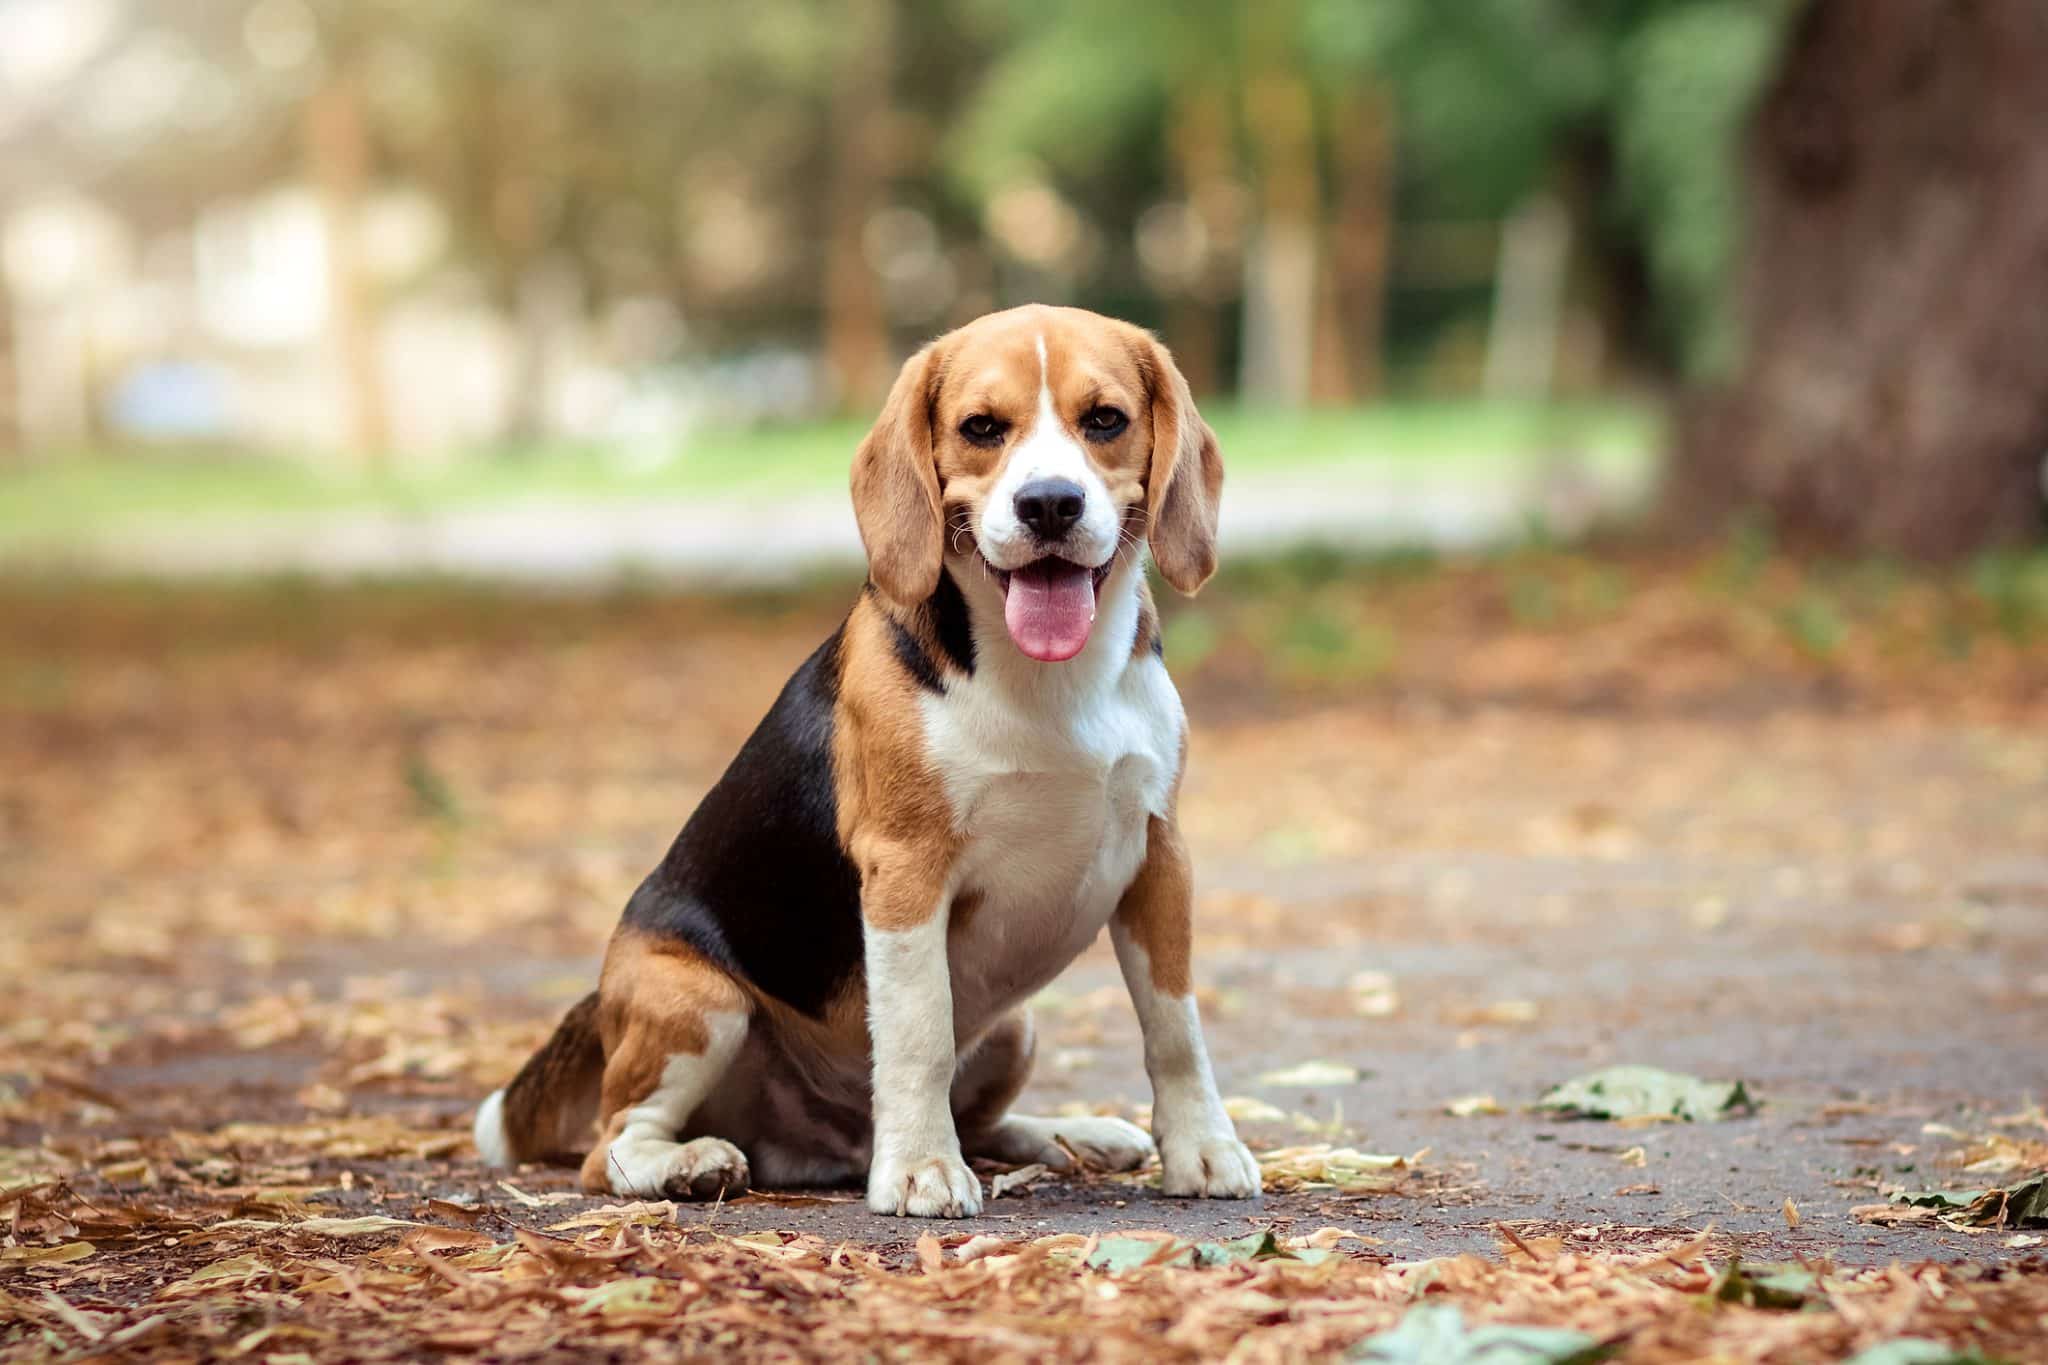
point(1050, 608)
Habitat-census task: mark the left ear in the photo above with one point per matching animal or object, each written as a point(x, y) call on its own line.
point(896, 490)
point(1185, 483)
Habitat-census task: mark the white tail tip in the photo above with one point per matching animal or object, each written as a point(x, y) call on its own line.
point(492, 1146)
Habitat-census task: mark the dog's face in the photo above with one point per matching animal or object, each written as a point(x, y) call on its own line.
point(1040, 441)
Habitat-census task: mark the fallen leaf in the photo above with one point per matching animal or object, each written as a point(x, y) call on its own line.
point(1320, 1166)
point(1250, 1109)
point(364, 1226)
point(1886, 1214)
point(1765, 1286)
point(1791, 1213)
point(1472, 1106)
point(56, 1255)
point(1435, 1334)
point(980, 1247)
point(1916, 1351)
point(1125, 1253)
point(1017, 1180)
point(2012, 1206)
point(1311, 1074)
point(1646, 1092)
point(1373, 995)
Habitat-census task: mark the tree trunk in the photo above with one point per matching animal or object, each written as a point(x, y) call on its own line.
point(1199, 152)
point(1354, 291)
point(338, 152)
point(1281, 266)
point(856, 329)
point(1894, 392)
point(12, 445)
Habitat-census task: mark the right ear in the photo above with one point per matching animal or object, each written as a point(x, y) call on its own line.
point(896, 490)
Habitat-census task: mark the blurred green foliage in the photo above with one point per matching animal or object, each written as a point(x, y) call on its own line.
point(617, 133)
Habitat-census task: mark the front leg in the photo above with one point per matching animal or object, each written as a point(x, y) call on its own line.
point(916, 1168)
point(1154, 936)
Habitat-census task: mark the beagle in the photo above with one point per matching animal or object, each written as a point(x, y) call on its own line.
point(950, 799)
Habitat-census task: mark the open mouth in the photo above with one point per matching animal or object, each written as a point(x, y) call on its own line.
point(1049, 606)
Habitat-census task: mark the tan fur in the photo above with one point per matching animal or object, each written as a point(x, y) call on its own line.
point(916, 479)
point(896, 490)
point(1158, 908)
point(1184, 486)
point(1148, 622)
point(893, 816)
point(654, 997)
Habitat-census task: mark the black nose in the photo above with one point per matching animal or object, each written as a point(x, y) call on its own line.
point(1050, 507)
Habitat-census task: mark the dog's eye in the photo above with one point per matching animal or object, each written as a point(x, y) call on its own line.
point(983, 429)
point(1103, 423)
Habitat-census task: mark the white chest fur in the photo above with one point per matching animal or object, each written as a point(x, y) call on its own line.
point(1052, 772)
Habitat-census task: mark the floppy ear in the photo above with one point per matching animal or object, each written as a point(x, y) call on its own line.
point(1185, 482)
point(896, 490)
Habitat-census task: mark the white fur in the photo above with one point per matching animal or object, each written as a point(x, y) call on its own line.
point(493, 1146)
point(917, 1168)
point(645, 1161)
point(1053, 773)
point(1047, 450)
point(1103, 1144)
point(1199, 1153)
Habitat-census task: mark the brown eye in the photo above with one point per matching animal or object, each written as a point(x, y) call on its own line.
point(983, 429)
point(1103, 423)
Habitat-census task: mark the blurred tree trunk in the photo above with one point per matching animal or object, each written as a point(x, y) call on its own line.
point(1353, 297)
point(856, 328)
point(1894, 393)
point(338, 153)
point(12, 446)
point(1198, 145)
point(1280, 267)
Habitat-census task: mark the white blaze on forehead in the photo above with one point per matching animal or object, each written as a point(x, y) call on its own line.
point(1047, 451)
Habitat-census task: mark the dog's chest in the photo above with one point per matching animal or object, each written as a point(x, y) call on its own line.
point(1053, 798)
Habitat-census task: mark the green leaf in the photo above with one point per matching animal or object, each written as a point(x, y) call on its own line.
point(1917, 1351)
point(1939, 1199)
point(2013, 1206)
point(1119, 1254)
point(1765, 1286)
point(1435, 1334)
point(1645, 1092)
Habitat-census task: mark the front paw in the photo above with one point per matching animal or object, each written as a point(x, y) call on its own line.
point(923, 1187)
point(1207, 1165)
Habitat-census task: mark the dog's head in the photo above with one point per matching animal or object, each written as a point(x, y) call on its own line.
point(1043, 441)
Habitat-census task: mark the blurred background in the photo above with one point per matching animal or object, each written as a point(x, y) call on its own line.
point(1486, 268)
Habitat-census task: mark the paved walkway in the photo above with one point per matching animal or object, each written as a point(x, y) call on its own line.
point(763, 539)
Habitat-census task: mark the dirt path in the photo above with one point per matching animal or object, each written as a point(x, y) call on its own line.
point(329, 866)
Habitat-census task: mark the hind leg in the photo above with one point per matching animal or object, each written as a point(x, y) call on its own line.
point(987, 1083)
point(672, 1024)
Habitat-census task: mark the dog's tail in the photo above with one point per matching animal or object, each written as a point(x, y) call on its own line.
point(549, 1111)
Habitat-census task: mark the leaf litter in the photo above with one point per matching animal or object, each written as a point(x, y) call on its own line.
point(659, 1282)
point(135, 1231)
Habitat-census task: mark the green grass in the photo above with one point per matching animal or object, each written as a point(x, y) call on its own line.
point(60, 500)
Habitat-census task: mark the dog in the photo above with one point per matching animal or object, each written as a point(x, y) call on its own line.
point(948, 802)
